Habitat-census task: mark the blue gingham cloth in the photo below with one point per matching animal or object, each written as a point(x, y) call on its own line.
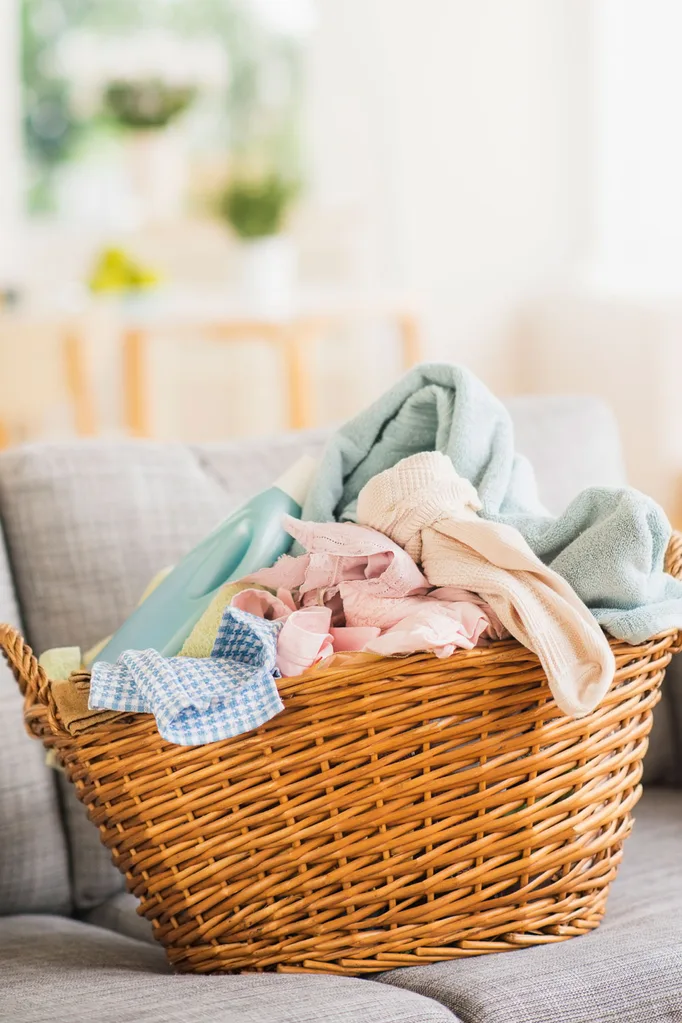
point(198, 700)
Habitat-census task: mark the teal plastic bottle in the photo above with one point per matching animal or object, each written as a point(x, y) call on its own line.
point(249, 539)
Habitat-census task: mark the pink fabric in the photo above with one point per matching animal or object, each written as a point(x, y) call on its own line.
point(304, 640)
point(348, 639)
point(365, 584)
point(305, 637)
point(264, 604)
point(440, 629)
point(342, 552)
point(362, 609)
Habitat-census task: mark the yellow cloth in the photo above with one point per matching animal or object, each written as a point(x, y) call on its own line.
point(59, 662)
point(200, 641)
point(51, 760)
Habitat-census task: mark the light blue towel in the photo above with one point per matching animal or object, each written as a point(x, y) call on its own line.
point(199, 700)
point(609, 544)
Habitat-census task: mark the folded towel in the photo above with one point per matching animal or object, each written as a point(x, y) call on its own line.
point(428, 509)
point(609, 544)
point(71, 697)
point(199, 700)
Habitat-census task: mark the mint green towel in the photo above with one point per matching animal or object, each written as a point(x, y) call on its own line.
point(609, 544)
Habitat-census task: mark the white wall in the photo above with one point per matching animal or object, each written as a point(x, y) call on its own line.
point(463, 128)
point(638, 147)
point(616, 329)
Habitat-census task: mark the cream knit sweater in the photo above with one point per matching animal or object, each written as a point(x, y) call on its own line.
point(425, 507)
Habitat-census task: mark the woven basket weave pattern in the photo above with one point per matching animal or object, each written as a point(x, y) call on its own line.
point(400, 812)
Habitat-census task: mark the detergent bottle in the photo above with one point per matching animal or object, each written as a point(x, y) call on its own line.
point(249, 539)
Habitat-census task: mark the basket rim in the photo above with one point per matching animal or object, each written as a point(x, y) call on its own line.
point(298, 689)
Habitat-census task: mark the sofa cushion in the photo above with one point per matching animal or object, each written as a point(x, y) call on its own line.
point(87, 527)
point(572, 443)
point(663, 762)
point(89, 524)
point(119, 913)
point(627, 971)
point(34, 874)
point(61, 971)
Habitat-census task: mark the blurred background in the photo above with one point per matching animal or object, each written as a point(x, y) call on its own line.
point(221, 218)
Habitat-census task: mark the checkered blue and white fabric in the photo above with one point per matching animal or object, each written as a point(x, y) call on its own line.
point(199, 700)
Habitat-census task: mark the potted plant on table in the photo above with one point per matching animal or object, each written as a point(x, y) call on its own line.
point(140, 86)
point(147, 109)
point(257, 209)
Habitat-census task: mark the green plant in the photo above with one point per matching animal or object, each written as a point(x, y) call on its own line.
point(146, 104)
point(257, 207)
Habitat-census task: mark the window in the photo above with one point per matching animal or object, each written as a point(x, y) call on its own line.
point(108, 88)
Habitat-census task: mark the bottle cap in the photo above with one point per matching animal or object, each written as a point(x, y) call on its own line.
point(297, 479)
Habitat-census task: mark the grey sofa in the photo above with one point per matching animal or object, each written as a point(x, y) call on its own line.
point(85, 527)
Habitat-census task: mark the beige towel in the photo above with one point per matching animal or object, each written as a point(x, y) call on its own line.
point(71, 697)
point(428, 509)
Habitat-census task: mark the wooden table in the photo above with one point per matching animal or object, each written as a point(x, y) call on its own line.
point(133, 324)
point(295, 335)
point(68, 335)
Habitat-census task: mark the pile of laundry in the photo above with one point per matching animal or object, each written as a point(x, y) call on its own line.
point(422, 532)
point(354, 590)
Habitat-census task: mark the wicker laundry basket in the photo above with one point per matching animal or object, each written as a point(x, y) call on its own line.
point(401, 812)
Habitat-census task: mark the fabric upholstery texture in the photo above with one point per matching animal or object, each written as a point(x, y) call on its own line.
point(571, 441)
point(34, 870)
point(627, 971)
point(93, 876)
point(61, 971)
point(88, 525)
point(663, 762)
point(119, 913)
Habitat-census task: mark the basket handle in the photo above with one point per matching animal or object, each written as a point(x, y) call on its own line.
point(673, 555)
point(32, 682)
point(673, 566)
